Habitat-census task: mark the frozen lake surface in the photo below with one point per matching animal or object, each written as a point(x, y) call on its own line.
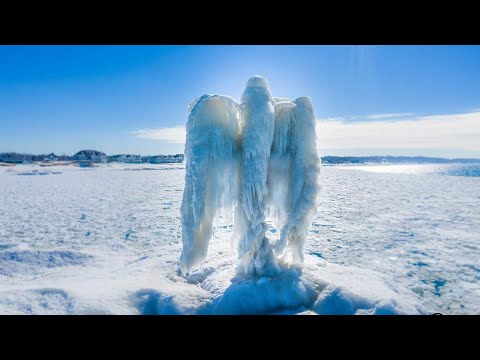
point(386, 239)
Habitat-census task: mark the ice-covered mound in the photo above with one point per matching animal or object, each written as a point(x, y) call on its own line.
point(26, 261)
point(321, 288)
point(286, 291)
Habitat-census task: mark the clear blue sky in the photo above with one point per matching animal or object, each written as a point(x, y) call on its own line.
point(67, 98)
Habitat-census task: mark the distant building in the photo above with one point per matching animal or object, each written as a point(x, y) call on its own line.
point(15, 158)
point(162, 159)
point(138, 159)
point(11, 158)
point(126, 158)
point(85, 163)
point(91, 155)
point(50, 157)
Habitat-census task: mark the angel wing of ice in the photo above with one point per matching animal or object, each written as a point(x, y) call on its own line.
point(212, 172)
point(293, 177)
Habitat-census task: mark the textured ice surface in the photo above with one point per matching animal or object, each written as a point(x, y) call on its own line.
point(212, 173)
point(293, 181)
point(258, 126)
point(380, 243)
point(12, 262)
point(251, 157)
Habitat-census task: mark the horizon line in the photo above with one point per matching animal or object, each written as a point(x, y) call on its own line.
point(322, 156)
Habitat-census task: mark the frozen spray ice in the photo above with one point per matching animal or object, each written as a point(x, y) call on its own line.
point(254, 159)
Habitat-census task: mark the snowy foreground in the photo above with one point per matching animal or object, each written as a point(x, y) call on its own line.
point(107, 240)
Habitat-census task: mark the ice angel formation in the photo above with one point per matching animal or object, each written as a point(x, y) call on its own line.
point(248, 161)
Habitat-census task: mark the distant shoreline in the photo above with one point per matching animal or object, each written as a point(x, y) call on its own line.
point(93, 156)
point(7, 159)
point(392, 160)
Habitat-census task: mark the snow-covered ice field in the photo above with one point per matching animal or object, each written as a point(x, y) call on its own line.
point(386, 239)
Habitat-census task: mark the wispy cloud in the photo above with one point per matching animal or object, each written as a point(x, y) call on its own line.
point(434, 132)
point(173, 134)
point(387, 116)
point(370, 117)
point(452, 131)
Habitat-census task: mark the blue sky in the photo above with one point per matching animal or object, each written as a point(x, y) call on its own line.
point(369, 100)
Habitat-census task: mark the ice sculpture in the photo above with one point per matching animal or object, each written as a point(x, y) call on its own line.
point(252, 160)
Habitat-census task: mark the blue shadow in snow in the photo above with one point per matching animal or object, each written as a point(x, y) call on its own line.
point(152, 302)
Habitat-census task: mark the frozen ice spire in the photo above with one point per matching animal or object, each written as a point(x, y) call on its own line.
point(255, 158)
point(258, 119)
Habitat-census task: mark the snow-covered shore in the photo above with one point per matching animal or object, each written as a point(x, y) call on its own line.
point(106, 240)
